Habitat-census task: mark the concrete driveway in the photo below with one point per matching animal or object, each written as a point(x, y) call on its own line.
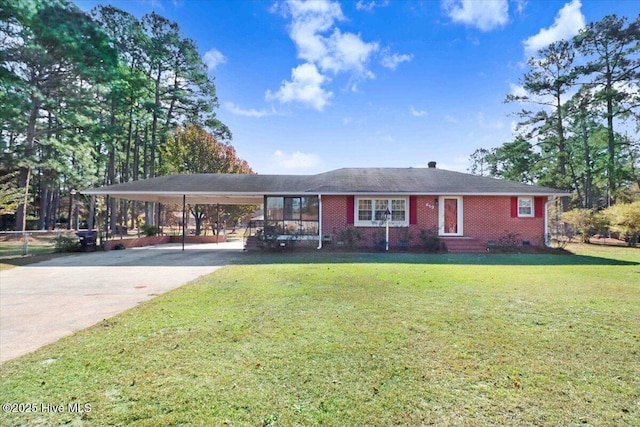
point(41, 303)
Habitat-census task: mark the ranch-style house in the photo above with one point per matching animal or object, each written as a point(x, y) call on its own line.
point(468, 211)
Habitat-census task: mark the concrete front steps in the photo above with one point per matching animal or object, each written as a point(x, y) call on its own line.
point(461, 245)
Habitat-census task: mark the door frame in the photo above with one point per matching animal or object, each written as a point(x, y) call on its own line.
point(441, 201)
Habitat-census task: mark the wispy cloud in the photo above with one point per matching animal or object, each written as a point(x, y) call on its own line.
point(418, 113)
point(368, 6)
point(567, 24)
point(485, 15)
point(213, 57)
point(392, 60)
point(296, 161)
point(237, 110)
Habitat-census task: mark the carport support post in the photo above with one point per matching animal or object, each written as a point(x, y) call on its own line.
point(92, 212)
point(184, 211)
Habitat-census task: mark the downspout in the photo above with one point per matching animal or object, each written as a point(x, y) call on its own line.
point(547, 237)
point(319, 221)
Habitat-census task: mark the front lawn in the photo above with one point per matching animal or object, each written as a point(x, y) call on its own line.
point(350, 339)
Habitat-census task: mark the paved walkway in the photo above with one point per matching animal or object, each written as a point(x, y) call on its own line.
point(41, 303)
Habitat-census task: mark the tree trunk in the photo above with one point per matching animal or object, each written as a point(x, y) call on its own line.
point(25, 171)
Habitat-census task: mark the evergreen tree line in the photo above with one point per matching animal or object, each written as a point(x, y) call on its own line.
point(95, 99)
point(578, 128)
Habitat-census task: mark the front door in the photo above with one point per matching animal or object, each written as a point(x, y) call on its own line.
point(450, 216)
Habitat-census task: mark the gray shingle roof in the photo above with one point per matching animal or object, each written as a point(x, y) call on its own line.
point(235, 188)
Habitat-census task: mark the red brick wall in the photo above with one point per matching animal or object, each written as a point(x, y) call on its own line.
point(485, 218)
point(334, 214)
point(489, 218)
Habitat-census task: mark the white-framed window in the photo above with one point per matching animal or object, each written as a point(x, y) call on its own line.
point(525, 207)
point(370, 211)
point(364, 210)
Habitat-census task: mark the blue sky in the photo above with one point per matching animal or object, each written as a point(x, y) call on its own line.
point(310, 87)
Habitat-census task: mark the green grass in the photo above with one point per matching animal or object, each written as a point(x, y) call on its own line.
point(360, 340)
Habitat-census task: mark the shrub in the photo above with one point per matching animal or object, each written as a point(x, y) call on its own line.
point(150, 230)
point(350, 236)
point(509, 242)
point(625, 219)
point(379, 238)
point(67, 244)
point(430, 240)
point(404, 235)
point(583, 221)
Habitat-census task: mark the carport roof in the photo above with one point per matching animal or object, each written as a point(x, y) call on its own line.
point(250, 189)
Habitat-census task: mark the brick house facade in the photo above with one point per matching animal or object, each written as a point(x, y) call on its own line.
point(484, 219)
point(468, 212)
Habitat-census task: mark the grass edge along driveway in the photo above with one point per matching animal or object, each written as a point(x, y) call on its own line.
point(354, 340)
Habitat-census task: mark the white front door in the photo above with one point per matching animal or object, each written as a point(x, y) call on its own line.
point(450, 216)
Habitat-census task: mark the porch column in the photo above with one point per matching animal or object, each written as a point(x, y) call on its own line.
point(184, 210)
point(92, 211)
point(319, 221)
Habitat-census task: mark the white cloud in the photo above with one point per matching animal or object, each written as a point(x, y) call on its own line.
point(520, 6)
point(310, 20)
point(392, 60)
point(326, 50)
point(418, 113)
point(518, 90)
point(567, 24)
point(237, 110)
point(347, 53)
point(295, 161)
point(485, 15)
point(368, 6)
point(337, 52)
point(213, 57)
point(305, 87)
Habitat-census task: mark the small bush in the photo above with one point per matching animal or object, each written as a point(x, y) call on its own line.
point(430, 240)
point(379, 238)
point(151, 230)
point(405, 236)
point(67, 244)
point(350, 236)
point(509, 242)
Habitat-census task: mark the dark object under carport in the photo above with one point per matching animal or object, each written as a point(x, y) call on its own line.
point(88, 239)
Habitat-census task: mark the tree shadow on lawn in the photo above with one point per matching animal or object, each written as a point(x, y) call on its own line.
point(565, 259)
point(198, 256)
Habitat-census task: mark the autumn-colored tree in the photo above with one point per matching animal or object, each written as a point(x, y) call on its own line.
point(583, 221)
point(625, 219)
point(194, 150)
